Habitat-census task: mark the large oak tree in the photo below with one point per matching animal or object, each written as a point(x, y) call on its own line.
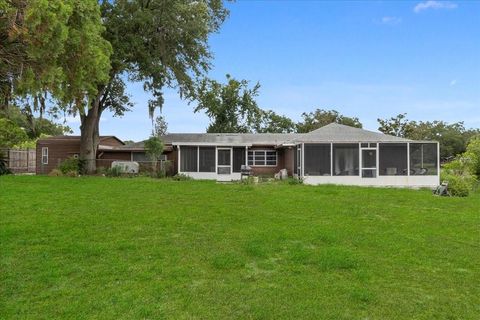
point(161, 43)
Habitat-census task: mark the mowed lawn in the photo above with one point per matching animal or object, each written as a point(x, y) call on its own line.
point(105, 248)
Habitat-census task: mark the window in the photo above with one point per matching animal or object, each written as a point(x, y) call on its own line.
point(206, 161)
point(262, 158)
point(393, 159)
point(317, 159)
point(345, 160)
point(44, 155)
point(238, 159)
point(423, 159)
point(188, 159)
point(139, 156)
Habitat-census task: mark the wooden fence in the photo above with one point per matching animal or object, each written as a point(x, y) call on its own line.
point(20, 160)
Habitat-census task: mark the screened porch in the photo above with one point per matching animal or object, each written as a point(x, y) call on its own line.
point(368, 163)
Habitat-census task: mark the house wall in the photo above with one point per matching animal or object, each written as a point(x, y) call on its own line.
point(288, 160)
point(58, 150)
point(269, 170)
point(173, 157)
point(61, 149)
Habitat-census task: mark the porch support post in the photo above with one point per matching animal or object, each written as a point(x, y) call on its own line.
point(408, 159)
point(303, 161)
point(246, 156)
point(331, 159)
point(438, 162)
point(179, 160)
point(360, 165)
point(216, 160)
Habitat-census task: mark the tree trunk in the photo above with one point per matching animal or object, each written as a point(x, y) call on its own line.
point(89, 139)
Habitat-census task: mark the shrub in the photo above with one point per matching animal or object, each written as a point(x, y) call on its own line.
point(294, 181)
point(70, 164)
point(3, 168)
point(72, 173)
point(101, 170)
point(55, 173)
point(247, 181)
point(181, 177)
point(115, 171)
point(459, 186)
point(473, 154)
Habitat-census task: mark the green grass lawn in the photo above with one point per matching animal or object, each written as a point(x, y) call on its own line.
point(100, 248)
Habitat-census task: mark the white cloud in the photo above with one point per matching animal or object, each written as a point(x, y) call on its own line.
point(391, 20)
point(431, 4)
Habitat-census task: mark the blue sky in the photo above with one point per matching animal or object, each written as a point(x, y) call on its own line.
point(366, 59)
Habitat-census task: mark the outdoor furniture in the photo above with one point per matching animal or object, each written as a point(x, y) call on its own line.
point(391, 171)
point(245, 171)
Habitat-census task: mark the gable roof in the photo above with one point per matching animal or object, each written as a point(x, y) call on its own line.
point(335, 132)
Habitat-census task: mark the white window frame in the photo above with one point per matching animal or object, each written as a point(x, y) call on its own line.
point(44, 155)
point(255, 151)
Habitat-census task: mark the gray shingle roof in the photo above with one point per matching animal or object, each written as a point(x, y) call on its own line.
point(335, 132)
point(230, 138)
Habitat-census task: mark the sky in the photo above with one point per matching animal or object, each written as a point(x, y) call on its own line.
point(372, 59)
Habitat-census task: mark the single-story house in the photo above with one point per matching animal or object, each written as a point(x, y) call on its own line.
point(335, 153)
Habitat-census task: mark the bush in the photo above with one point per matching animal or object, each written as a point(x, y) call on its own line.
point(115, 171)
point(181, 177)
point(55, 173)
point(101, 170)
point(69, 165)
point(473, 155)
point(3, 168)
point(459, 186)
point(294, 181)
point(72, 174)
point(460, 174)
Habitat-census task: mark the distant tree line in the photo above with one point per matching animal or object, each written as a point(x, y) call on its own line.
point(232, 107)
point(21, 129)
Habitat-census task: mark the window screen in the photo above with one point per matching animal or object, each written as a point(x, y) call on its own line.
point(238, 159)
point(188, 159)
point(369, 159)
point(223, 157)
point(423, 159)
point(317, 159)
point(206, 159)
point(345, 160)
point(393, 159)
